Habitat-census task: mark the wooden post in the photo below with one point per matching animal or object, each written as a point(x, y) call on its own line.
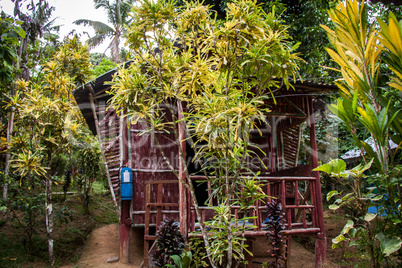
point(125, 223)
point(321, 241)
point(183, 196)
point(147, 219)
point(273, 145)
point(125, 219)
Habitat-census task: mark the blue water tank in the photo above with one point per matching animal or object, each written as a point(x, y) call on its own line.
point(126, 185)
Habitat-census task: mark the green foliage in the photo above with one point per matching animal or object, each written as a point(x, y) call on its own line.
point(224, 227)
point(10, 32)
point(45, 121)
point(335, 166)
point(358, 47)
point(169, 242)
point(198, 253)
point(389, 245)
point(103, 67)
point(89, 167)
point(30, 203)
point(182, 261)
point(73, 58)
point(304, 19)
point(39, 43)
point(391, 36)
point(12, 255)
point(363, 227)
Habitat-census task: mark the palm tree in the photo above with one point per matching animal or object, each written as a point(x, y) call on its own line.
point(117, 13)
point(36, 23)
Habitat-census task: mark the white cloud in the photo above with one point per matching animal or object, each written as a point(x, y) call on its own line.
point(67, 11)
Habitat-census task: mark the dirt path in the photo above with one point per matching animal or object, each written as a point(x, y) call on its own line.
point(103, 244)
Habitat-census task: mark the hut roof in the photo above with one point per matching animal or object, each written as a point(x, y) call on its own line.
point(355, 154)
point(81, 95)
point(101, 96)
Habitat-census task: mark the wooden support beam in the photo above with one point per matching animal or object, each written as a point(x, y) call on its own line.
point(159, 207)
point(146, 229)
point(125, 220)
point(264, 178)
point(273, 145)
point(321, 249)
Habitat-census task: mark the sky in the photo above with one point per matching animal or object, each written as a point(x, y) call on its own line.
point(66, 12)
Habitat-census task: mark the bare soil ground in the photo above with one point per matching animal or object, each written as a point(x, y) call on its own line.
point(103, 244)
point(89, 241)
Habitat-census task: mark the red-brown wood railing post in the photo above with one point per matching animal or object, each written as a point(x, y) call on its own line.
point(147, 220)
point(321, 241)
point(125, 219)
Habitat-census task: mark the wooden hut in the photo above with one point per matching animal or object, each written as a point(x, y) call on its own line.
point(157, 192)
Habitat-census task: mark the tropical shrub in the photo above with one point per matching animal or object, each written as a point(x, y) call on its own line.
point(182, 261)
point(222, 72)
point(169, 242)
point(358, 48)
point(45, 119)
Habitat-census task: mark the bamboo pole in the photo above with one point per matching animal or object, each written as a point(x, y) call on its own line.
point(115, 205)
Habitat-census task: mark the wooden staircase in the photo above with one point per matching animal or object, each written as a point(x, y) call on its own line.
point(109, 127)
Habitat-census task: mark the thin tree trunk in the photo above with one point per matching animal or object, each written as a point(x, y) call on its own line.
point(7, 164)
point(49, 219)
point(78, 187)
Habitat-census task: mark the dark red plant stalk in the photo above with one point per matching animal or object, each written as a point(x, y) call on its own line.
point(275, 224)
point(169, 242)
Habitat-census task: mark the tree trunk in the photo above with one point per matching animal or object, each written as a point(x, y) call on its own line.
point(7, 164)
point(49, 219)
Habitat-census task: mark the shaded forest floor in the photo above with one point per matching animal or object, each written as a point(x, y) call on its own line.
point(90, 240)
point(71, 230)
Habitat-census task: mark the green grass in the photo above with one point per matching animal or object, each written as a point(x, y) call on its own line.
point(108, 215)
point(98, 187)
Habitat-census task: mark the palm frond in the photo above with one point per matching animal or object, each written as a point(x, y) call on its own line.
point(97, 39)
point(102, 4)
point(99, 27)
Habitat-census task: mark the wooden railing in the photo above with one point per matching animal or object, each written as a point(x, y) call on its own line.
point(156, 208)
point(296, 194)
point(298, 204)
